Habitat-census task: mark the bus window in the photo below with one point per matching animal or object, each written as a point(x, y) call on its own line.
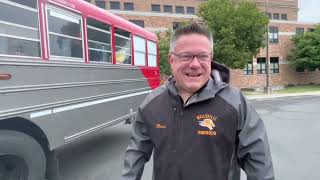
point(65, 35)
point(99, 40)
point(19, 29)
point(139, 51)
point(123, 46)
point(152, 54)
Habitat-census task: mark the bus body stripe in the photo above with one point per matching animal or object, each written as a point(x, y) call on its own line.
point(40, 113)
point(81, 105)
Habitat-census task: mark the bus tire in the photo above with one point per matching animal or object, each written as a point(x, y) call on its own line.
point(21, 157)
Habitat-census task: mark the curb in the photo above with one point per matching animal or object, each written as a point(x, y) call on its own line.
point(272, 96)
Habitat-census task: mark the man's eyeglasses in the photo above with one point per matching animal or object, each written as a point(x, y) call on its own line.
point(187, 58)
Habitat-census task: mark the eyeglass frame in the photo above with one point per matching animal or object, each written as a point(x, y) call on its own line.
point(193, 56)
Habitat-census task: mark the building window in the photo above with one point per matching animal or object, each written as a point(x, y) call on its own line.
point(155, 7)
point(128, 6)
point(101, 4)
point(276, 16)
point(310, 30)
point(248, 69)
point(261, 65)
point(273, 34)
point(284, 17)
point(190, 10)
point(269, 15)
point(299, 30)
point(179, 9)
point(167, 8)
point(138, 22)
point(175, 25)
point(114, 5)
point(274, 65)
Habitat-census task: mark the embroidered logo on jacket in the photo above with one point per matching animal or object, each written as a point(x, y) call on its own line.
point(207, 121)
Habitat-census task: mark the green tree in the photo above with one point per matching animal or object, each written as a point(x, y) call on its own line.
point(238, 29)
point(164, 45)
point(306, 51)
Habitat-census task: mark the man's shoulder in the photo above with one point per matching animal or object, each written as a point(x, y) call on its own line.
point(232, 95)
point(153, 95)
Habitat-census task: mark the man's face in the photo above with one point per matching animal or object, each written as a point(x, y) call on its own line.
point(193, 74)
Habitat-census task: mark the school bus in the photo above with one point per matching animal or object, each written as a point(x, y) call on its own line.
point(67, 69)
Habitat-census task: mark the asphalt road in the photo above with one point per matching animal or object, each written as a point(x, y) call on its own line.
point(293, 126)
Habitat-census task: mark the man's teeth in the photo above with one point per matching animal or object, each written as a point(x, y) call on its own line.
point(193, 75)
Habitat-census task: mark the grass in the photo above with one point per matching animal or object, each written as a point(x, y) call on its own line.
point(248, 93)
point(299, 89)
point(289, 89)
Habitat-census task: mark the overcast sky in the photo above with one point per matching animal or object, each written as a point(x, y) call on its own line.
point(309, 11)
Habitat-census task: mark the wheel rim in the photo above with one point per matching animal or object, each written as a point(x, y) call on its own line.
point(13, 168)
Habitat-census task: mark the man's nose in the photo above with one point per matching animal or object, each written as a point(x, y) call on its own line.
point(195, 62)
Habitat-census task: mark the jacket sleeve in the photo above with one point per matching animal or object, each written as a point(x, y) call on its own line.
point(253, 150)
point(139, 150)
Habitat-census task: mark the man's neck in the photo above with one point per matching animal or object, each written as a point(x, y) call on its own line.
point(184, 95)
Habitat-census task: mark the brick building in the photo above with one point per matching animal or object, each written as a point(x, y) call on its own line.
point(159, 15)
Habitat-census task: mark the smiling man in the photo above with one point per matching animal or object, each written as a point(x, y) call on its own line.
point(198, 127)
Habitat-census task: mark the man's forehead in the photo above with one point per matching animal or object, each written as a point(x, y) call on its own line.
point(191, 35)
point(194, 40)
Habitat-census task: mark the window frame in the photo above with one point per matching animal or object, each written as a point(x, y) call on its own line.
point(284, 17)
point(310, 29)
point(260, 67)
point(194, 10)
point(175, 25)
point(177, 7)
point(73, 14)
point(137, 20)
point(272, 31)
point(115, 35)
point(246, 70)
point(125, 4)
point(139, 51)
point(167, 6)
point(155, 5)
point(38, 29)
point(151, 54)
point(299, 30)
point(269, 15)
point(276, 15)
point(104, 31)
point(101, 1)
point(115, 2)
point(273, 68)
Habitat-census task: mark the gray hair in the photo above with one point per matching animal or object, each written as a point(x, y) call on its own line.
point(193, 28)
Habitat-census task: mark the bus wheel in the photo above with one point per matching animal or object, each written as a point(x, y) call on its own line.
point(21, 157)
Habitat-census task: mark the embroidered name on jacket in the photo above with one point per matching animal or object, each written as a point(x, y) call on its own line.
point(160, 126)
point(207, 121)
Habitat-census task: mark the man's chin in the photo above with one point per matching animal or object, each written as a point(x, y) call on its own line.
point(192, 88)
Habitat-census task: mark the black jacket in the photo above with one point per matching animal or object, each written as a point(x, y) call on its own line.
point(210, 137)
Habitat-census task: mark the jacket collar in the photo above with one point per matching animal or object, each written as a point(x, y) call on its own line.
point(218, 80)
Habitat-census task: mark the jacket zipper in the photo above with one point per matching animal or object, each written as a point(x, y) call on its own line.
point(174, 130)
point(176, 125)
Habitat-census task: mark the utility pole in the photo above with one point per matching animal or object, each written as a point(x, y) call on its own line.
point(268, 89)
